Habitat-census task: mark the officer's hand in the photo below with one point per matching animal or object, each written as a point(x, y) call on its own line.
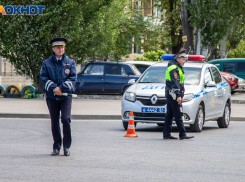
point(179, 99)
point(57, 91)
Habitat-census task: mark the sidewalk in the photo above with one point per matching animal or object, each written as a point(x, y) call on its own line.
point(90, 109)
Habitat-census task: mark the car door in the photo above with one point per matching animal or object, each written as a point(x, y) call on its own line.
point(91, 80)
point(115, 78)
point(219, 91)
point(209, 94)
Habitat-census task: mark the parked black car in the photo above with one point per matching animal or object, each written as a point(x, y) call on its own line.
point(105, 78)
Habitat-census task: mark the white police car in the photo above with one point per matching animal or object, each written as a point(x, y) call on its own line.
point(207, 95)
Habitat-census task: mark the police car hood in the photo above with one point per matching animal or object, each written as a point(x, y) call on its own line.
point(149, 89)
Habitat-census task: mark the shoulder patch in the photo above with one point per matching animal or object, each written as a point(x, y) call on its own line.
point(72, 58)
point(45, 58)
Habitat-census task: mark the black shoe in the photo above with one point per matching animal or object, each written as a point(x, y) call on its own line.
point(66, 151)
point(186, 137)
point(170, 137)
point(55, 152)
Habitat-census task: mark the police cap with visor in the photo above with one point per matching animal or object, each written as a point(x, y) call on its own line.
point(58, 42)
point(180, 54)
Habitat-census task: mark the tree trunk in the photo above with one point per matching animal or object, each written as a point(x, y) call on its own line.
point(198, 50)
point(222, 49)
point(38, 84)
point(171, 7)
point(204, 51)
point(187, 29)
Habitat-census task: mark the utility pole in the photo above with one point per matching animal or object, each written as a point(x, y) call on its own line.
point(187, 29)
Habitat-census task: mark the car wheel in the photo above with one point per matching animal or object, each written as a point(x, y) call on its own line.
point(160, 124)
point(232, 92)
point(224, 121)
point(125, 125)
point(199, 121)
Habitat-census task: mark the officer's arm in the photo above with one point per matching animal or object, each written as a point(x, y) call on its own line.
point(48, 84)
point(69, 84)
point(175, 78)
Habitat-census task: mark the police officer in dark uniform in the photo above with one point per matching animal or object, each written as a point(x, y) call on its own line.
point(58, 75)
point(174, 93)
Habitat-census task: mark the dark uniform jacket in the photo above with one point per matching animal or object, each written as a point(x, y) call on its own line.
point(61, 74)
point(175, 84)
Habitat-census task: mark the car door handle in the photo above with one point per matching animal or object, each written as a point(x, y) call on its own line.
point(124, 77)
point(100, 77)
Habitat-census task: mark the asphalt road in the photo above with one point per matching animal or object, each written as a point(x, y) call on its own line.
point(99, 152)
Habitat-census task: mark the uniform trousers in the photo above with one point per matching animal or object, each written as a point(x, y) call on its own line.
point(173, 110)
point(55, 107)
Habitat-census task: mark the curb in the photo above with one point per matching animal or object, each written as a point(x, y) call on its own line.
point(46, 116)
point(81, 117)
point(238, 101)
point(119, 97)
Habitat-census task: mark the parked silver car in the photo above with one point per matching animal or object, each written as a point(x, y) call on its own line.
point(207, 96)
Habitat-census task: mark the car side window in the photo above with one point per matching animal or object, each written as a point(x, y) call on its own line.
point(94, 70)
point(240, 67)
point(217, 77)
point(207, 76)
point(141, 67)
point(229, 67)
point(115, 70)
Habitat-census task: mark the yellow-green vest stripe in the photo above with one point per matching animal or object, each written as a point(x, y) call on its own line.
point(170, 68)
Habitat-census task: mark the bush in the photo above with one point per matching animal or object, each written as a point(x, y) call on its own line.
point(239, 52)
point(151, 56)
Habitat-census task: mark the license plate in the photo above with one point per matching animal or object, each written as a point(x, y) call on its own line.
point(153, 109)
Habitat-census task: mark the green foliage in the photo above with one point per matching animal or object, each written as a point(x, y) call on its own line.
point(239, 52)
point(93, 29)
point(151, 56)
point(215, 18)
point(28, 91)
point(172, 26)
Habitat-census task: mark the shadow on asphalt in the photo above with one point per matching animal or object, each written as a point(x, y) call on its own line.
point(174, 129)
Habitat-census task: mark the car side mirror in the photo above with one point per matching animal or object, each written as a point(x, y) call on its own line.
point(210, 84)
point(131, 81)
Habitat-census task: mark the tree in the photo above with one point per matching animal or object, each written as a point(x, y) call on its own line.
point(172, 25)
point(93, 29)
point(24, 39)
point(213, 19)
point(239, 52)
point(151, 56)
point(187, 28)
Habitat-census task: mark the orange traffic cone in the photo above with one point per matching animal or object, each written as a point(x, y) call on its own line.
point(131, 128)
point(229, 123)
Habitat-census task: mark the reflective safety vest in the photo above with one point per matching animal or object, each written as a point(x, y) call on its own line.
point(170, 68)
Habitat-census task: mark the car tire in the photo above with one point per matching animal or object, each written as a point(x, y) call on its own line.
point(224, 121)
point(160, 124)
point(232, 92)
point(125, 125)
point(199, 121)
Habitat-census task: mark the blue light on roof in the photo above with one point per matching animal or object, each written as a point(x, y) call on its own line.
point(168, 57)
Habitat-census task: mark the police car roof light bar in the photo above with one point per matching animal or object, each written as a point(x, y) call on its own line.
point(200, 58)
point(168, 57)
point(195, 58)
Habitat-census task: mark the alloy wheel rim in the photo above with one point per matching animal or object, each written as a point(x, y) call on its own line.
point(227, 115)
point(200, 119)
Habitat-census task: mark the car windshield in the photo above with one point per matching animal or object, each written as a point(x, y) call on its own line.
point(157, 75)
